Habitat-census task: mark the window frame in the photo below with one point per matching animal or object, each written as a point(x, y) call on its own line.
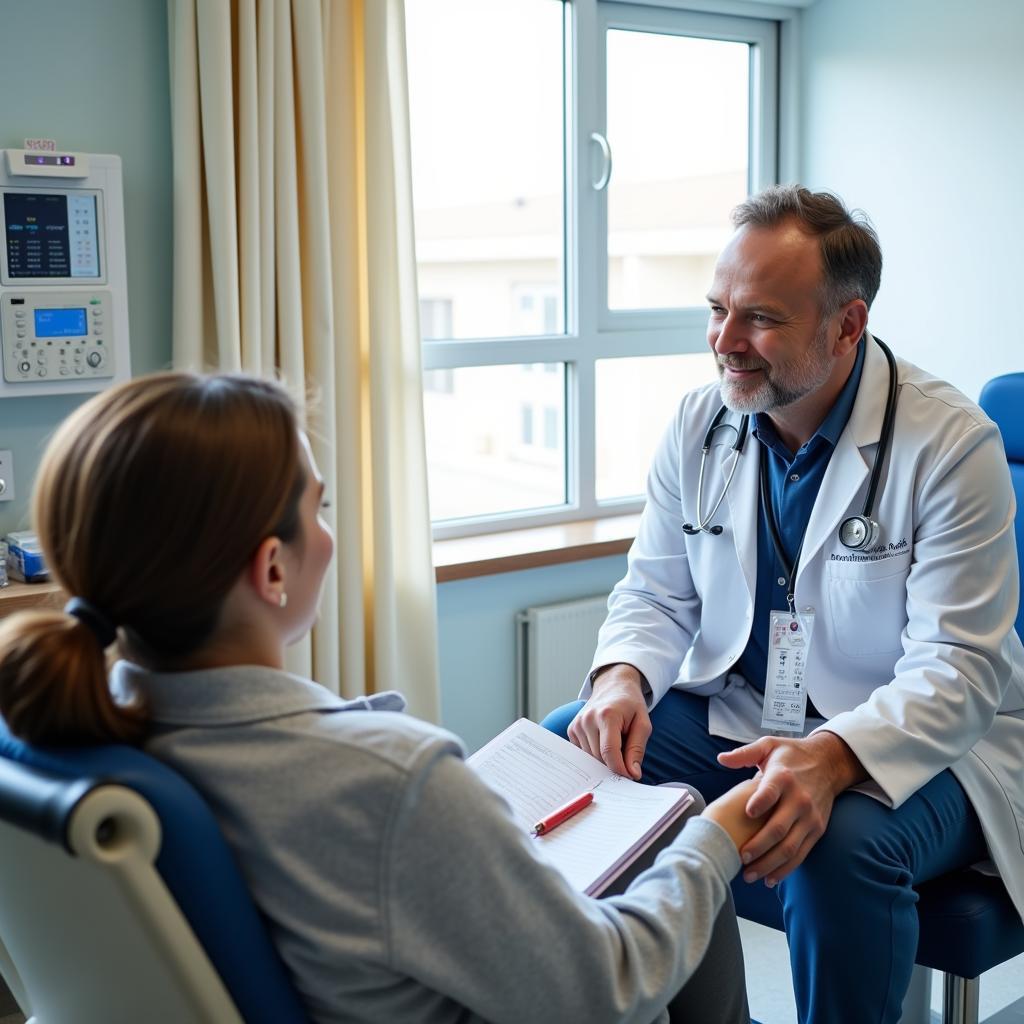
point(592, 331)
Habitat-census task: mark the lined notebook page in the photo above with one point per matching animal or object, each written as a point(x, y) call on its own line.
point(536, 772)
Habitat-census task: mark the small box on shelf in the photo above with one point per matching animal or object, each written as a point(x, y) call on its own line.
point(25, 561)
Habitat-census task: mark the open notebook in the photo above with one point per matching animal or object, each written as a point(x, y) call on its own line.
point(536, 772)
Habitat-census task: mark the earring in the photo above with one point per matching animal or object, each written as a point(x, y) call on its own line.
point(283, 600)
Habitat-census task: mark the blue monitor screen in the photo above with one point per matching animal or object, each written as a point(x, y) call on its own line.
point(60, 323)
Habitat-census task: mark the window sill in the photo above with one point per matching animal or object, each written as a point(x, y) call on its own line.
point(486, 555)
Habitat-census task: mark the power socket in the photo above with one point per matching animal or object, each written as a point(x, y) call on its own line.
point(6, 476)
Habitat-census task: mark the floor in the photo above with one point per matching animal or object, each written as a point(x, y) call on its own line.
point(771, 993)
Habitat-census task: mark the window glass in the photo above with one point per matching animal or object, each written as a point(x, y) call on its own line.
point(485, 86)
point(495, 439)
point(503, 108)
point(680, 163)
point(636, 400)
point(435, 318)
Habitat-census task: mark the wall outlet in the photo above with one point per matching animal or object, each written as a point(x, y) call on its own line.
point(6, 476)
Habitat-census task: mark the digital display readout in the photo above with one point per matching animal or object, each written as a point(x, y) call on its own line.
point(60, 323)
point(51, 235)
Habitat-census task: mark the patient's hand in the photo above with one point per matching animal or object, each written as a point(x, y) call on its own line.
point(729, 811)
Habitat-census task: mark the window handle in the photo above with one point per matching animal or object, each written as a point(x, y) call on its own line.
point(606, 157)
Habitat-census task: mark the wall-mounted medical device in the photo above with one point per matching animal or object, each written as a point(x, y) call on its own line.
point(63, 287)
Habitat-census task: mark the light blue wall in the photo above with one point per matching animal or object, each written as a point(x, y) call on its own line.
point(93, 75)
point(477, 638)
point(912, 110)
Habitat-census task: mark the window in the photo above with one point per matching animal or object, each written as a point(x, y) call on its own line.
point(436, 318)
point(574, 166)
point(537, 309)
point(550, 427)
point(680, 167)
point(623, 386)
point(441, 381)
point(485, 449)
point(527, 413)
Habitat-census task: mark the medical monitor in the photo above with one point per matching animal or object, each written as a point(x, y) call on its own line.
point(63, 292)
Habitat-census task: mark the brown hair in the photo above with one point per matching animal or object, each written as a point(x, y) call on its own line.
point(150, 500)
point(851, 256)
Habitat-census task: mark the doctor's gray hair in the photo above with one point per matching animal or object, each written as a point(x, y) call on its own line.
point(851, 257)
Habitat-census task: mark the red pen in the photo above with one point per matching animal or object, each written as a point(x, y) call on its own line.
point(564, 813)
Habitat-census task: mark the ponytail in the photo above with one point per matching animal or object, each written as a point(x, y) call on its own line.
point(53, 683)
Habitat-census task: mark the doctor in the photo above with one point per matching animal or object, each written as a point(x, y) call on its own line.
point(822, 590)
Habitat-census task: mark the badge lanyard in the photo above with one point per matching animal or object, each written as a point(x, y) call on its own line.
point(789, 636)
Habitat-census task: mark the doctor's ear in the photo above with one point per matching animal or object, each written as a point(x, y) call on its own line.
point(853, 319)
point(267, 572)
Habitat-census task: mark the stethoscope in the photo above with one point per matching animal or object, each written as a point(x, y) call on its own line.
point(855, 532)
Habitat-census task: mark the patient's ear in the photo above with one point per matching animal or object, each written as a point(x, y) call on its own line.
point(267, 572)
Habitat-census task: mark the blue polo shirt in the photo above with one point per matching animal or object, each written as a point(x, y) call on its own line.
point(794, 481)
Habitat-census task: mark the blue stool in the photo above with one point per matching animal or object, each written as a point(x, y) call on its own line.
point(967, 925)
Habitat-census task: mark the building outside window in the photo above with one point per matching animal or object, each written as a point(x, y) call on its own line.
point(527, 420)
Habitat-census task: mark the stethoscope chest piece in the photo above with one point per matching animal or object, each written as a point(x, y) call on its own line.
point(858, 532)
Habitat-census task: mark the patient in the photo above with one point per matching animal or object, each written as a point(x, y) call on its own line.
point(183, 515)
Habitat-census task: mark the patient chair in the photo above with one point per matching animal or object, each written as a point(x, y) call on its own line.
point(1003, 399)
point(120, 902)
point(968, 924)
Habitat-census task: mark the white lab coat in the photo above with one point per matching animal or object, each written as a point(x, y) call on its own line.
point(914, 659)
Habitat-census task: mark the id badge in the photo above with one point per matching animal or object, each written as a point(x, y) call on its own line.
point(785, 694)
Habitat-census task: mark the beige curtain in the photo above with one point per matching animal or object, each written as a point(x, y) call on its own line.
point(293, 253)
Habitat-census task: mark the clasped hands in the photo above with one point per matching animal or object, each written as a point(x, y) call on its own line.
point(790, 801)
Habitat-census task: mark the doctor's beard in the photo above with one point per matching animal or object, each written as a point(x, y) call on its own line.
point(779, 385)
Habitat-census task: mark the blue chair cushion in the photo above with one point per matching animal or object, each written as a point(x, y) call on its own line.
point(968, 924)
point(1002, 398)
point(1017, 476)
point(197, 867)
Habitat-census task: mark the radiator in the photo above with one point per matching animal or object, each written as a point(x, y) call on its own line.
point(554, 647)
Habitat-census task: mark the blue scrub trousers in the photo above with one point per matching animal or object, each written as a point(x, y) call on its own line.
point(850, 908)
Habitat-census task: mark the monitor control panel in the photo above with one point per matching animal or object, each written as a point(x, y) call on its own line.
point(56, 336)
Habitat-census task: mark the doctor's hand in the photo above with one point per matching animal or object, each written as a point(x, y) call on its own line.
point(614, 725)
point(797, 783)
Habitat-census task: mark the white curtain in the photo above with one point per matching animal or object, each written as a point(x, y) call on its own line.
point(294, 253)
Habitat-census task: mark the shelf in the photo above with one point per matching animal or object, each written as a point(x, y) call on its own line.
point(18, 597)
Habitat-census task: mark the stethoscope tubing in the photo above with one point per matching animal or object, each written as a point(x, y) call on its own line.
point(885, 439)
point(884, 444)
point(704, 525)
